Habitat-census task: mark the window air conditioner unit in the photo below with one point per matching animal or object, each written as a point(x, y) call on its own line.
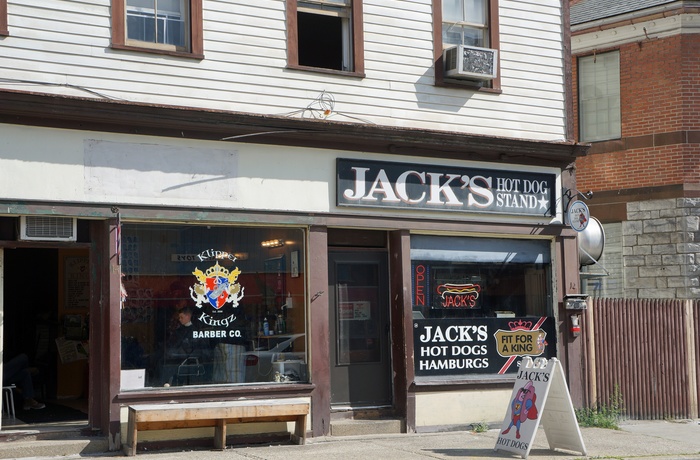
point(48, 228)
point(470, 62)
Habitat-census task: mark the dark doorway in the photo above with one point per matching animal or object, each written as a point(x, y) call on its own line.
point(45, 318)
point(359, 330)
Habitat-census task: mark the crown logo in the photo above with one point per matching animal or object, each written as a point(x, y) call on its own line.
point(216, 271)
point(520, 325)
point(216, 286)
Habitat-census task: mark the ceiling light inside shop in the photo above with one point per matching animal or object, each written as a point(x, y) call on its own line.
point(272, 243)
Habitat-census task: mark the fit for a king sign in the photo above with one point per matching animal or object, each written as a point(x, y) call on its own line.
point(444, 188)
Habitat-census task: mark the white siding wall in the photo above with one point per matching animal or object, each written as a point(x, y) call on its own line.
point(61, 46)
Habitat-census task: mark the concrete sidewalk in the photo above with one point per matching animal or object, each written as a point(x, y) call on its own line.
point(658, 440)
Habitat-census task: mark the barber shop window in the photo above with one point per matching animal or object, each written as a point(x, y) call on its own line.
point(480, 303)
point(204, 305)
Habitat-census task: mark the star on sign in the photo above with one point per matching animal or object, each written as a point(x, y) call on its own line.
point(544, 203)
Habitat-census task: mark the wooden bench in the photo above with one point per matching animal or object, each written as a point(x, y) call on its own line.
point(217, 414)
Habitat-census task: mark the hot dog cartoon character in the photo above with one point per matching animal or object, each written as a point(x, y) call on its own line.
point(522, 408)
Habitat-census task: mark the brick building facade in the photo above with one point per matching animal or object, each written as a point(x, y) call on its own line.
point(636, 79)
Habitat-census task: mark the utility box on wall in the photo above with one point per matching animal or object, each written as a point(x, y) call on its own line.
point(576, 301)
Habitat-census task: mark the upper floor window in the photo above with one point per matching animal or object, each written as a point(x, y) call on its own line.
point(166, 26)
point(465, 22)
point(157, 21)
point(325, 34)
point(599, 97)
point(3, 18)
point(471, 23)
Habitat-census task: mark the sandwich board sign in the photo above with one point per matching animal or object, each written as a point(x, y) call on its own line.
point(540, 395)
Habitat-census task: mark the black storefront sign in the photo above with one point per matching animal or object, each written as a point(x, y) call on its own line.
point(480, 345)
point(444, 188)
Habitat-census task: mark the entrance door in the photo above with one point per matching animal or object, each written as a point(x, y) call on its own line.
point(45, 306)
point(359, 330)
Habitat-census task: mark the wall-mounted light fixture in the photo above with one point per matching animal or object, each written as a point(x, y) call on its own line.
point(571, 194)
point(272, 243)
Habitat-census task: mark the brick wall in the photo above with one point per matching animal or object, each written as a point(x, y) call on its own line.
point(654, 246)
point(660, 100)
point(691, 80)
point(651, 86)
point(637, 168)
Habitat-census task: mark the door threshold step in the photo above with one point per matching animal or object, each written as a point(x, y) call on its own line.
point(366, 427)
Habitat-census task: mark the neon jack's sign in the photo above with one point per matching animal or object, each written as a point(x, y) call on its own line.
point(446, 294)
point(458, 295)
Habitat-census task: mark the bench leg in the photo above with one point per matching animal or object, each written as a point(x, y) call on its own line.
point(131, 436)
point(220, 435)
point(300, 430)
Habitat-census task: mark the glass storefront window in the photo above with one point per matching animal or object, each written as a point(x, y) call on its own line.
point(480, 303)
point(473, 290)
point(212, 305)
point(479, 277)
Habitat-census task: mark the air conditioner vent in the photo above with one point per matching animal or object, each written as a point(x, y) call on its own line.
point(470, 62)
point(48, 228)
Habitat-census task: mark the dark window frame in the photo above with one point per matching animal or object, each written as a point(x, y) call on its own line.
point(196, 31)
point(358, 50)
point(3, 18)
point(494, 43)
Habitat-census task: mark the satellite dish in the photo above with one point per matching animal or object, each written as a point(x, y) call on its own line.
point(591, 242)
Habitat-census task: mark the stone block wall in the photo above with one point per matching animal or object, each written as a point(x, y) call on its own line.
point(661, 249)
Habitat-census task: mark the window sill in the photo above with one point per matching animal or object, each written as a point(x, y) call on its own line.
point(457, 84)
point(143, 49)
point(260, 390)
point(601, 141)
point(327, 71)
point(612, 145)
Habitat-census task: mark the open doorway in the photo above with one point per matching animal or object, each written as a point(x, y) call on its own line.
point(46, 307)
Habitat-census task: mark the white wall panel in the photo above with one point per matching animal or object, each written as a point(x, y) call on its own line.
point(113, 169)
point(441, 409)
